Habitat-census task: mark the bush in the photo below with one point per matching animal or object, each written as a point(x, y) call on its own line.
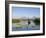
point(15, 20)
point(37, 21)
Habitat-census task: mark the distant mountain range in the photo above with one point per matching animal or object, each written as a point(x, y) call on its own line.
point(25, 18)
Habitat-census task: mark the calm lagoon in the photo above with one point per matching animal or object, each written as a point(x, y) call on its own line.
point(24, 26)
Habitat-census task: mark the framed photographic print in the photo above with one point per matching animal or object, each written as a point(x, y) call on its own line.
point(24, 18)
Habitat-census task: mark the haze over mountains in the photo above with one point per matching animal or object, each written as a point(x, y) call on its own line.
point(25, 17)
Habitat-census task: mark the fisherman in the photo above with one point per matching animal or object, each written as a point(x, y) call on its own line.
point(28, 24)
point(28, 21)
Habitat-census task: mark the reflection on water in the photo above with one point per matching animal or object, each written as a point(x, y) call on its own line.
point(24, 26)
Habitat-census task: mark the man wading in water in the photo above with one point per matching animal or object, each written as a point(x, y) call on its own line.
point(28, 23)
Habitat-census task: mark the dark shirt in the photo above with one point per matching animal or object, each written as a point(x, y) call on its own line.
point(28, 22)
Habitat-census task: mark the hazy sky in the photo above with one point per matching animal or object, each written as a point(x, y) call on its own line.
point(25, 12)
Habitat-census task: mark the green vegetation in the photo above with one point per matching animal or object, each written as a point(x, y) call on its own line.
point(15, 20)
point(37, 21)
point(18, 20)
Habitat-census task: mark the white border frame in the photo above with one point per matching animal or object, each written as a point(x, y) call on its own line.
point(25, 32)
